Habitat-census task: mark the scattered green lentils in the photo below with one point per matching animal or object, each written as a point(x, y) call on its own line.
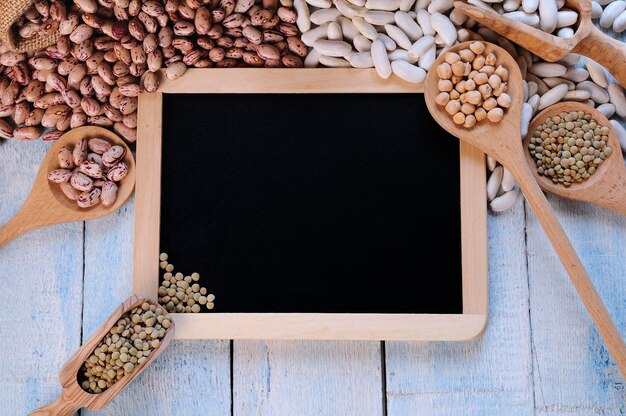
point(569, 147)
point(127, 345)
point(182, 294)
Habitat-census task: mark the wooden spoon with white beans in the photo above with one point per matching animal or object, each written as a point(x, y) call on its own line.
point(588, 40)
point(73, 396)
point(502, 142)
point(46, 204)
point(607, 186)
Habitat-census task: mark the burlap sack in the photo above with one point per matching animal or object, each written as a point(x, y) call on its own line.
point(10, 11)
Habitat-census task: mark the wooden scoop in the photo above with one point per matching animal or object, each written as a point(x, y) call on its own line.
point(47, 205)
point(607, 186)
point(502, 142)
point(588, 39)
point(73, 396)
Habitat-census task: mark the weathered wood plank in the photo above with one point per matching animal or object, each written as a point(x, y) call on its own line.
point(190, 377)
point(307, 378)
point(573, 373)
point(484, 377)
point(41, 306)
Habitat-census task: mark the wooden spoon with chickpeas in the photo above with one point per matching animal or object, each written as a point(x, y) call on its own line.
point(47, 204)
point(135, 314)
point(498, 135)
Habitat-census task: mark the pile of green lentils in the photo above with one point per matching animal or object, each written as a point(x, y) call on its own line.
point(126, 346)
point(569, 147)
point(182, 294)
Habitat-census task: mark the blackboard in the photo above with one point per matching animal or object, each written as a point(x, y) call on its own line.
point(326, 203)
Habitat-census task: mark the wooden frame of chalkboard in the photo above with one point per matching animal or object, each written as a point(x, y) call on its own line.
point(339, 326)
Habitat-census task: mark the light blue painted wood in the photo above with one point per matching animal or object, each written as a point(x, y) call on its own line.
point(190, 377)
point(572, 371)
point(307, 378)
point(40, 304)
point(488, 376)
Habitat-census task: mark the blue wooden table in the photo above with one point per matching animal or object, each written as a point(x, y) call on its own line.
point(540, 354)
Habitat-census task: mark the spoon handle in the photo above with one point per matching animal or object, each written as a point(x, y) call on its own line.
point(59, 407)
point(570, 260)
point(608, 52)
point(18, 225)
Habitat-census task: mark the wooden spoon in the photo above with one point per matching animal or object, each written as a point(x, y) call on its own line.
point(73, 396)
point(502, 141)
point(46, 204)
point(588, 39)
point(607, 186)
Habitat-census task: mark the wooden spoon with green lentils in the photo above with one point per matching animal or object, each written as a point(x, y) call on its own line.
point(569, 147)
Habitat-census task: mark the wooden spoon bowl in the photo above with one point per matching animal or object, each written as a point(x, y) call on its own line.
point(73, 396)
point(46, 204)
point(502, 141)
point(607, 186)
point(588, 40)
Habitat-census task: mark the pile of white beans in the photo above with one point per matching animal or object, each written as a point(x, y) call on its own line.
point(404, 37)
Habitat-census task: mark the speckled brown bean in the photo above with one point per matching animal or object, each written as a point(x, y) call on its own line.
point(6, 130)
point(79, 154)
point(59, 175)
point(81, 181)
point(109, 193)
point(98, 146)
point(90, 106)
point(268, 52)
point(296, 46)
point(151, 82)
point(91, 169)
point(292, 61)
point(34, 117)
point(79, 118)
point(128, 134)
point(21, 112)
point(34, 90)
point(128, 105)
point(216, 54)
point(175, 70)
point(117, 172)
point(69, 191)
point(71, 98)
point(51, 136)
point(76, 75)
point(112, 156)
point(89, 198)
point(252, 59)
point(65, 158)
point(27, 133)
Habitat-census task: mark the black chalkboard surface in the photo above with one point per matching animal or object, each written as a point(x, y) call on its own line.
point(332, 203)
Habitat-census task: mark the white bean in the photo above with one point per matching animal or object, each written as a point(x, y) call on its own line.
point(405, 5)
point(527, 115)
point(577, 95)
point(361, 60)
point(616, 96)
point(440, 6)
point(381, 61)
point(322, 4)
point(531, 19)
point(420, 47)
point(302, 20)
point(534, 102)
point(398, 36)
point(349, 10)
point(504, 202)
point(565, 32)
point(596, 10)
point(508, 181)
point(553, 96)
point(319, 17)
point(390, 44)
point(401, 55)
point(336, 48)
point(428, 58)
point(421, 4)
point(619, 25)
point(598, 94)
point(379, 18)
point(566, 18)
point(530, 6)
point(548, 69)
point(365, 28)
point(334, 31)
point(491, 163)
point(359, 3)
point(548, 14)
point(388, 5)
point(511, 5)
point(408, 26)
point(423, 19)
point(620, 132)
point(312, 60)
point(576, 74)
point(444, 27)
point(347, 28)
point(493, 183)
point(457, 17)
point(607, 109)
point(333, 62)
point(409, 73)
point(611, 12)
point(312, 35)
point(570, 59)
point(596, 72)
point(362, 44)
